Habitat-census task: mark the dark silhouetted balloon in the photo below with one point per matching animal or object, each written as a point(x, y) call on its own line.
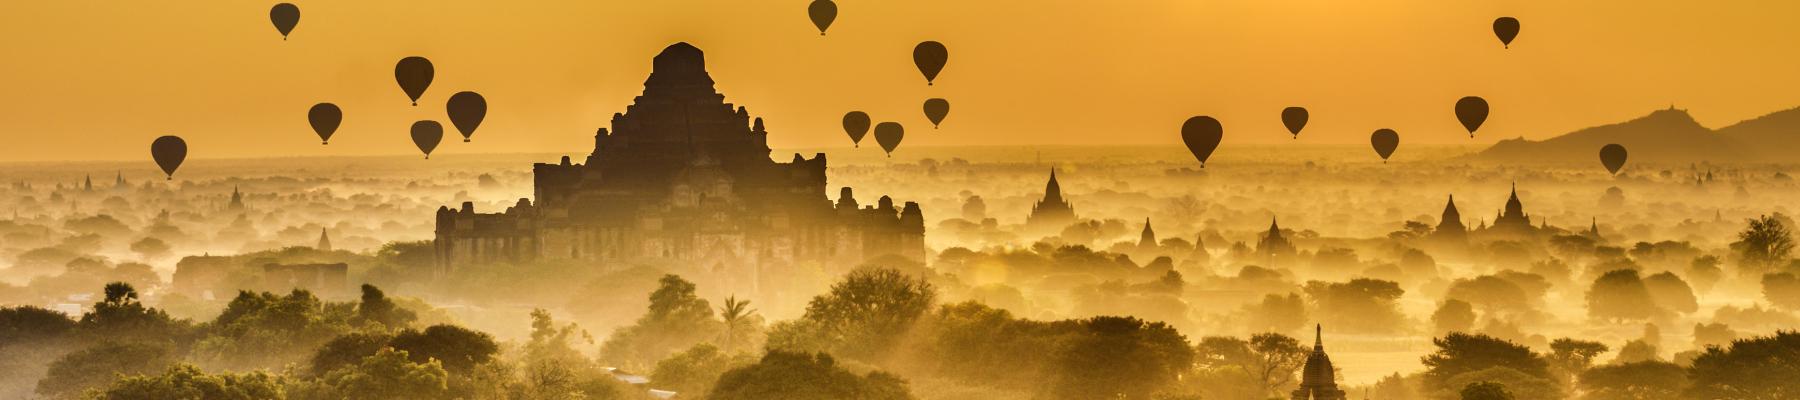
point(1472, 111)
point(325, 118)
point(1613, 157)
point(935, 110)
point(285, 16)
point(856, 124)
point(930, 57)
point(169, 152)
point(427, 134)
point(1506, 28)
point(1202, 135)
point(822, 13)
point(414, 75)
point(1295, 120)
point(466, 110)
point(1384, 141)
point(888, 134)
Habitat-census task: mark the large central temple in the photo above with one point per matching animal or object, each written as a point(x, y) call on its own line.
point(683, 176)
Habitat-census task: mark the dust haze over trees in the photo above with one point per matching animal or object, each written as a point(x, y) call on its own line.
point(1049, 272)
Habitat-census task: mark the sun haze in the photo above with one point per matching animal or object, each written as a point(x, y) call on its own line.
point(100, 80)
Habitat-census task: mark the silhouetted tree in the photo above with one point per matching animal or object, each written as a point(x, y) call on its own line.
point(27, 324)
point(1621, 295)
point(695, 370)
point(1782, 290)
point(1632, 381)
point(1764, 244)
point(1360, 305)
point(1672, 293)
point(121, 317)
point(1277, 313)
point(265, 330)
point(1485, 391)
point(861, 316)
point(1268, 361)
point(1571, 357)
point(676, 319)
point(1761, 368)
point(1636, 351)
point(795, 376)
point(388, 374)
point(376, 308)
point(189, 382)
point(458, 349)
point(1120, 358)
point(1453, 316)
point(739, 321)
point(95, 367)
point(1473, 358)
point(1704, 272)
point(347, 349)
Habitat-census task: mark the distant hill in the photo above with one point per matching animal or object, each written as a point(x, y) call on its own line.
point(1664, 136)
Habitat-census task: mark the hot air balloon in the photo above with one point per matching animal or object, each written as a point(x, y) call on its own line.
point(1202, 135)
point(1506, 28)
point(169, 152)
point(325, 118)
point(856, 124)
point(466, 110)
point(930, 57)
point(935, 110)
point(427, 134)
point(1385, 141)
point(285, 16)
point(414, 75)
point(1613, 157)
point(1295, 120)
point(822, 13)
point(1472, 111)
point(888, 134)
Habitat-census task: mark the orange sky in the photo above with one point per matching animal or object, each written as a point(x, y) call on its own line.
point(101, 79)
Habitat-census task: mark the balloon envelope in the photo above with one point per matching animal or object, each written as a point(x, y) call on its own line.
point(285, 16)
point(930, 56)
point(1202, 135)
point(466, 110)
point(1472, 111)
point(325, 118)
point(169, 152)
point(822, 13)
point(1613, 157)
point(414, 75)
point(856, 124)
point(426, 135)
point(888, 134)
point(1506, 28)
point(935, 110)
point(1294, 118)
point(1384, 141)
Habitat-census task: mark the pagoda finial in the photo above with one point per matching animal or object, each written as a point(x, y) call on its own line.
point(1318, 336)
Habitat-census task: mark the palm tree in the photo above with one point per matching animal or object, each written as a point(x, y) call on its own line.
point(736, 313)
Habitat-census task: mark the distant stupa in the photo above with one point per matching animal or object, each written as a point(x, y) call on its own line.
point(1317, 379)
point(324, 240)
point(1273, 245)
point(1147, 239)
point(1053, 212)
point(1450, 227)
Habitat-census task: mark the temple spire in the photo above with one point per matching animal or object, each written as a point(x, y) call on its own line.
point(1319, 337)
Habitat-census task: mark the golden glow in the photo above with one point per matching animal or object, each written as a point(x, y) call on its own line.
point(100, 80)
